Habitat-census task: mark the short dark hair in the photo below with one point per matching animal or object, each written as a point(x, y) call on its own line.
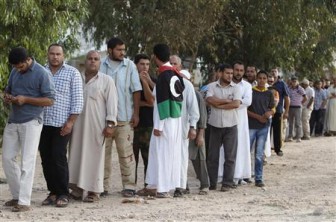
point(113, 42)
point(56, 44)
point(162, 52)
point(140, 56)
point(224, 66)
point(18, 55)
point(262, 72)
point(217, 67)
point(237, 62)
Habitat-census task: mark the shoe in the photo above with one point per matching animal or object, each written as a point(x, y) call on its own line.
point(146, 192)
point(298, 140)
point(162, 195)
point(280, 153)
point(327, 134)
point(104, 194)
point(227, 187)
point(186, 191)
point(128, 193)
point(20, 208)
point(11, 203)
point(213, 187)
point(91, 198)
point(247, 180)
point(178, 193)
point(259, 183)
point(305, 138)
point(289, 139)
point(50, 200)
point(203, 191)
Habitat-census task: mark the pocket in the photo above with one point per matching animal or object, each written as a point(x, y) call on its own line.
point(62, 86)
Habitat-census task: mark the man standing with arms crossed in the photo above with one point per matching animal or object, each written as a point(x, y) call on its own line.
point(126, 78)
point(29, 89)
point(57, 126)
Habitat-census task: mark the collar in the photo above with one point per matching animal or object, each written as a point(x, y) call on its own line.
point(108, 61)
point(231, 84)
point(260, 90)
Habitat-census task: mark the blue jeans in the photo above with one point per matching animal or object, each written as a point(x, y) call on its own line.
point(260, 137)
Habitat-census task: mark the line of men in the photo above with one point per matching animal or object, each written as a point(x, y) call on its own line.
point(117, 100)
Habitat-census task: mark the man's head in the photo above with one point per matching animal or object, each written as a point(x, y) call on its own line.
point(262, 77)
point(142, 62)
point(294, 81)
point(318, 84)
point(238, 71)
point(92, 62)
point(270, 80)
point(275, 73)
point(161, 53)
point(176, 61)
point(116, 49)
point(225, 73)
point(251, 72)
point(55, 55)
point(305, 83)
point(19, 59)
point(327, 83)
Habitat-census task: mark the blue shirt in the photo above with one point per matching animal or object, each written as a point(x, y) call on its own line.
point(283, 91)
point(69, 96)
point(36, 83)
point(320, 95)
point(127, 81)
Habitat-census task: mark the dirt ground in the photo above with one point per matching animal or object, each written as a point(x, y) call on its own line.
point(300, 186)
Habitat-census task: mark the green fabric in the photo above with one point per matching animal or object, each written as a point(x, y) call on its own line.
point(169, 108)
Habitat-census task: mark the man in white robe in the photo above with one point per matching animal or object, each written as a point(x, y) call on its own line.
point(190, 116)
point(97, 121)
point(164, 162)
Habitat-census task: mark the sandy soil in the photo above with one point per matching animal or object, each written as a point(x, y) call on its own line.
point(300, 186)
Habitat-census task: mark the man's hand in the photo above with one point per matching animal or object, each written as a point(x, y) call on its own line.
point(144, 77)
point(192, 134)
point(285, 115)
point(67, 128)
point(157, 132)
point(134, 120)
point(108, 132)
point(19, 100)
point(262, 119)
point(199, 140)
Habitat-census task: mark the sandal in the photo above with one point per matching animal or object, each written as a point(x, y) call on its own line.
point(91, 198)
point(162, 195)
point(11, 203)
point(20, 208)
point(62, 201)
point(50, 200)
point(146, 192)
point(128, 193)
point(75, 196)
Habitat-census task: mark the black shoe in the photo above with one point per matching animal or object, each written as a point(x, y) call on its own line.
point(280, 153)
point(213, 187)
point(247, 180)
point(186, 191)
point(104, 194)
point(259, 183)
point(178, 193)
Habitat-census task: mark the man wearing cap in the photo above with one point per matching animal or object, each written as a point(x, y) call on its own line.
point(297, 97)
point(307, 109)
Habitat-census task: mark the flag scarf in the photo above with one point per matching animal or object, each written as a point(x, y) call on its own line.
point(169, 88)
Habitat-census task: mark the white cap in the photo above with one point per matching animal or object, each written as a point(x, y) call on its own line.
point(185, 73)
point(305, 81)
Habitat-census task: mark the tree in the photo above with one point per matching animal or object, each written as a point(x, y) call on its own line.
point(35, 24)
point(143, 23)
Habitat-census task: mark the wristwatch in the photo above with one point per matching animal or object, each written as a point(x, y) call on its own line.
point(110, 125)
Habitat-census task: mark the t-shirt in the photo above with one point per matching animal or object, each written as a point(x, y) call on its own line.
point(282, 89)
point(145, 112)
point(36, 82)
point(296, 96)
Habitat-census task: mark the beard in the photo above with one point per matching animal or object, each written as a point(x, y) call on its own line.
point(238, 78)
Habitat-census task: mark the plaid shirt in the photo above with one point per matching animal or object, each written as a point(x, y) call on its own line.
point(320, 96)
point(69, 96)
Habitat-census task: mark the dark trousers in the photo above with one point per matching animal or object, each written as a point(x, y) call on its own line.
point(206, 139)
point(53, 151)
point(227, 136)
point(316, 121)
point(277, 131)
point(141, 141)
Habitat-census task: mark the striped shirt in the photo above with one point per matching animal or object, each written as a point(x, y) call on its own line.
point(69, 96)
point(296, 96)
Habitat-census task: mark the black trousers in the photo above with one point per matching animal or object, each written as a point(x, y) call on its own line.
point(53, 151)
point(277, 131)
point(317, 121)
point(228, 137)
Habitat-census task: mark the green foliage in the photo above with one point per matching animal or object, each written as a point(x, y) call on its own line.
point(35, 24)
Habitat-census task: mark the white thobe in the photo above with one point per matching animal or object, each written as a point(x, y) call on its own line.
point(164, 158)
point(243, 159)
point(190, 117)
point(86, 156)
